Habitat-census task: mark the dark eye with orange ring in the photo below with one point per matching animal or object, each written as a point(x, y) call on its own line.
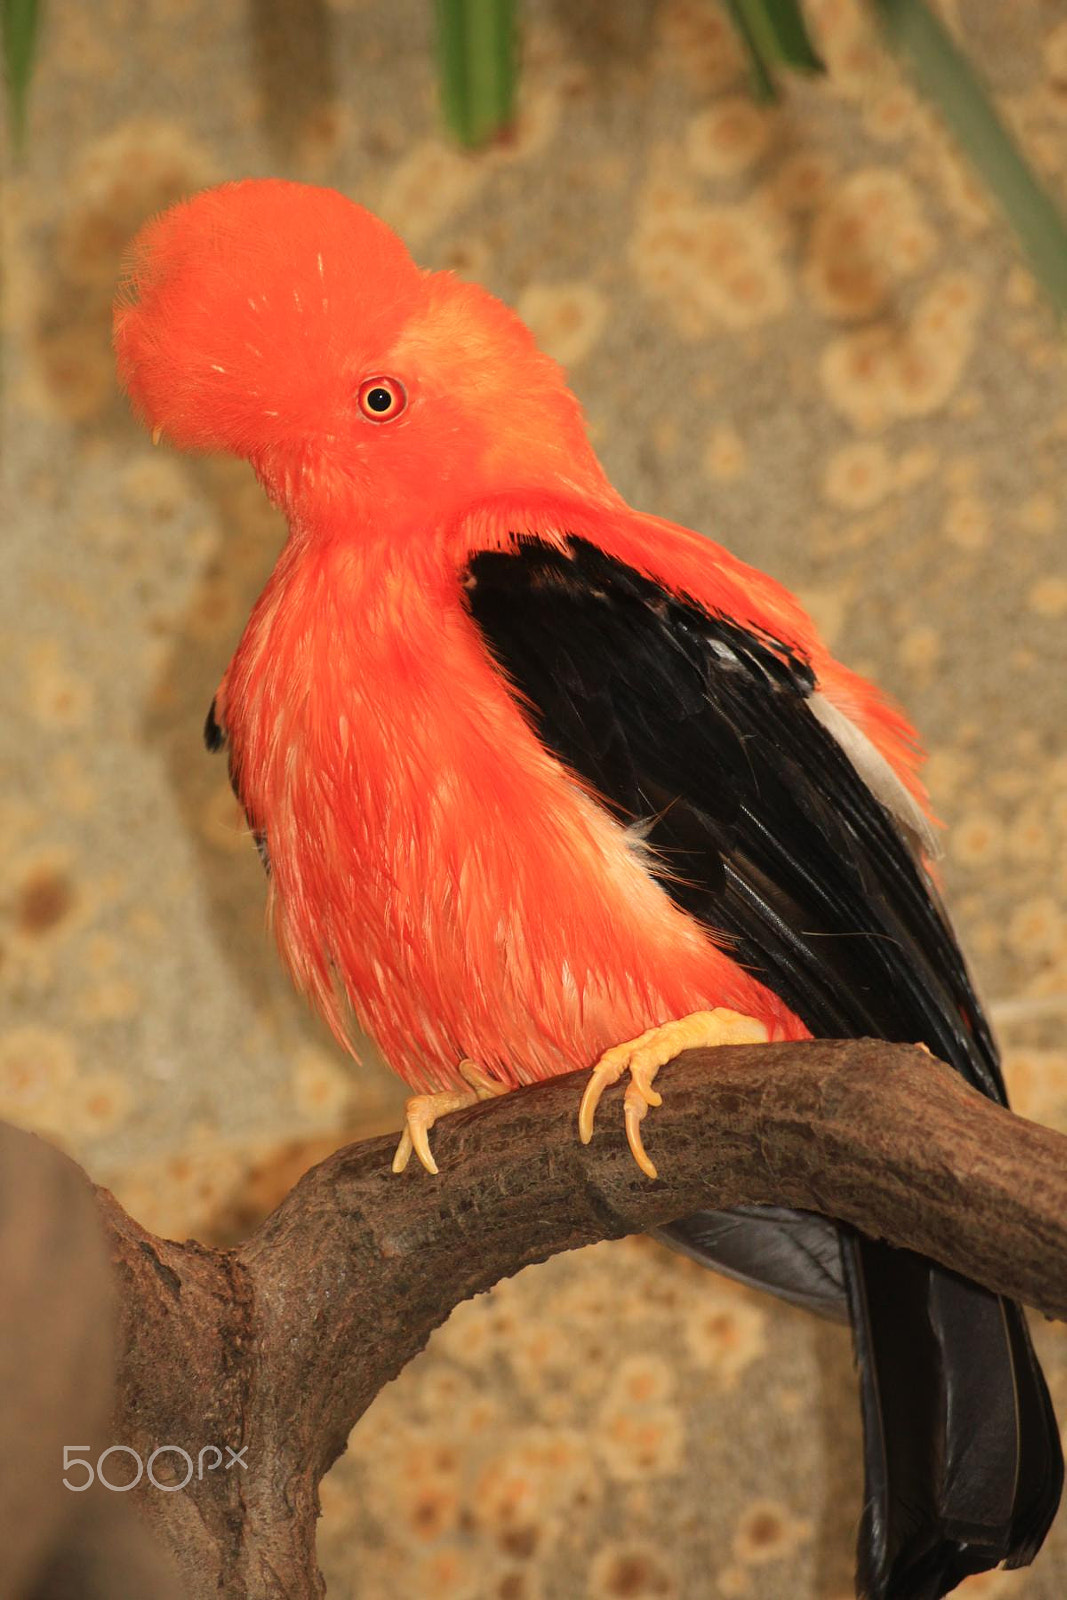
point(381, 399)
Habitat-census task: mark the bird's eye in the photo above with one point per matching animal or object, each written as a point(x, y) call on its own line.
point(381, 399)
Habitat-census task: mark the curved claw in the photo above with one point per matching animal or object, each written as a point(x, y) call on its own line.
point(599, 1080)
point(420, 1138)
point(635, 1110)
point(644, 1064)
point(402, 1153)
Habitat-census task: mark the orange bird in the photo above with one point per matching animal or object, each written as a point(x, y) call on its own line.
point(542, 783)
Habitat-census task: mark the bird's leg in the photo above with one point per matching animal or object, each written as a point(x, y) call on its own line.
point(423, 1110)
point(642, 1058)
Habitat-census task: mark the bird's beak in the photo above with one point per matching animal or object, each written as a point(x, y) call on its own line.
point(157, 434)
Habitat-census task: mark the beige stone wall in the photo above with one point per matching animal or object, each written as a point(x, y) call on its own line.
point(800, 330)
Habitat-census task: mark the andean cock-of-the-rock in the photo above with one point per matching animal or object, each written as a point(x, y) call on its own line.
point(545, 783)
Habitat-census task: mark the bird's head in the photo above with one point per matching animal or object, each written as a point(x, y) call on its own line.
point(288, 325)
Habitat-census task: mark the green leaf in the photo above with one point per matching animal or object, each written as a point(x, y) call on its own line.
point(18, 23)
point(946, 77)
point(477, 66)
point(775, 35)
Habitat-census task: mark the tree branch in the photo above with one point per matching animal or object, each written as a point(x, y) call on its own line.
point(278, 1347)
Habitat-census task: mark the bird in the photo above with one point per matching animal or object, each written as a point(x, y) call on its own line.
point(543, 783)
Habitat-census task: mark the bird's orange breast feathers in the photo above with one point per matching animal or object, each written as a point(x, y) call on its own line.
point(431, 861)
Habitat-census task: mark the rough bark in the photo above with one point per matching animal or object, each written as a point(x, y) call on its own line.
point(277, 1347)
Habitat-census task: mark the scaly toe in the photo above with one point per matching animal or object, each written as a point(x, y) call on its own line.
point(643, 1057)
point(423, 1110)
point(608, 1070)
point(644, 1064)
point(485, 1087)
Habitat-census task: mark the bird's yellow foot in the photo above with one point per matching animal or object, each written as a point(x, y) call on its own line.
point(423, 1110)
point(643, 1057)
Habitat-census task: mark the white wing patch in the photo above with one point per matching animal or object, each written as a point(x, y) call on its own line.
point(879, 777)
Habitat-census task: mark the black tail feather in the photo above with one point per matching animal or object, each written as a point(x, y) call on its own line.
point(1040, 1484)
point(795, 1255)
point(962, 1456)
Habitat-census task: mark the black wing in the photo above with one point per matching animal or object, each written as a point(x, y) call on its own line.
point(765, 831)
point(703, 731)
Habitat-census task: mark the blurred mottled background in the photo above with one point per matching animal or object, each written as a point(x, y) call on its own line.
point(799, 329)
